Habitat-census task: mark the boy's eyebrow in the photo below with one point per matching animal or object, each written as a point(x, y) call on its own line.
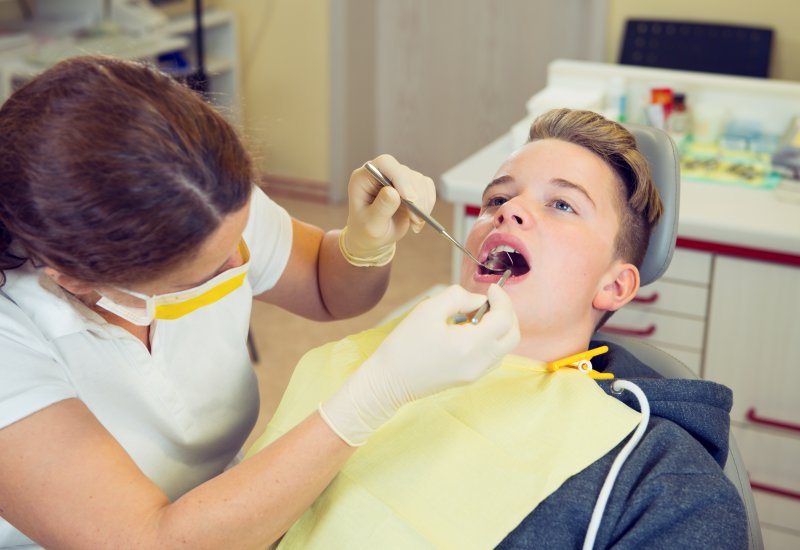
point(560, 182)
point(498, 181)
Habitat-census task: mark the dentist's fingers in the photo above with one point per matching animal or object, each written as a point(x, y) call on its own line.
point(375, 218)
point(399, 175)
point(411, 185)
point(502, 318)
point(385, 205)
point(452, 300)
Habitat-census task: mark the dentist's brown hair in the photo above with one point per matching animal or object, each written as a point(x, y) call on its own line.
point(112, 172)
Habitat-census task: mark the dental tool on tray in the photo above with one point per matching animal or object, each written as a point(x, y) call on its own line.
point(492, 264)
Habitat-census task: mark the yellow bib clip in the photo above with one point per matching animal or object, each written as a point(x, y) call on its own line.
point(582, 362)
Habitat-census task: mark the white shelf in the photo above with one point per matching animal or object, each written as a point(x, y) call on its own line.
point(176, 36)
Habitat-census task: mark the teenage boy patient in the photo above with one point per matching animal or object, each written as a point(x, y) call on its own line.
point(523, 457)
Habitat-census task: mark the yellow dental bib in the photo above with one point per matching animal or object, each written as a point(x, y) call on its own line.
point(459, 469)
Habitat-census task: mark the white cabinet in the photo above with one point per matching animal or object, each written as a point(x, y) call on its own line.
point(736, 321)
point(754, 336)
point(772, 459)
point(753, 348)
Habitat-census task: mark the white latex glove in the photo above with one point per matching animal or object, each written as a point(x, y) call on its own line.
point(376, 219)
point(423, 355)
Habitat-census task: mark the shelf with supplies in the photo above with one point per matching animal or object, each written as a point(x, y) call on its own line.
point(171, 46)
point(221, 55)
point(729, 304)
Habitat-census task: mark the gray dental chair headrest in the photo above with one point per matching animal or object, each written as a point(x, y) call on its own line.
point(660, 151)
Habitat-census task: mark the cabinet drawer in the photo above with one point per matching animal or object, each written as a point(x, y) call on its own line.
point(672, 297)
point(658, 328)
point(772, 460)
point(690, 266)
point(753, 345)
point(777, 539)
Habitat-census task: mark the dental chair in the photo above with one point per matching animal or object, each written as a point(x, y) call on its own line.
point(660, 151)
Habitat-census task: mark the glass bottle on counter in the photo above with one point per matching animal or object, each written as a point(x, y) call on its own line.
point(679, 121)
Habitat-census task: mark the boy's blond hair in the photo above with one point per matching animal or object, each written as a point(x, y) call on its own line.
point(640, 204)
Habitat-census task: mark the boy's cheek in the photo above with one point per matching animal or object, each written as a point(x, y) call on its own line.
point(473, 242)
point(480, 229)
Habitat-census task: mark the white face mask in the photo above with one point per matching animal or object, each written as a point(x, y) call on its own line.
point(146, 309)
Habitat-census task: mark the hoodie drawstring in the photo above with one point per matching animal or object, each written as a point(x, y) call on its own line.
point(617, 386)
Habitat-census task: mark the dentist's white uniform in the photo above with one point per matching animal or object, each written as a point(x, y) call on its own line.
point(183, 410)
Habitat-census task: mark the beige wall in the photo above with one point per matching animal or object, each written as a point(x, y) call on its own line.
point(453, 75)
point(284, 61)
point(285, 88)
point(782, 15)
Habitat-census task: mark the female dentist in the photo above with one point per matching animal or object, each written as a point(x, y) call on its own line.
point(132, 241)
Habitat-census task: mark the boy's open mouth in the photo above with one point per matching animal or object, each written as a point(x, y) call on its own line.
point(504, 257)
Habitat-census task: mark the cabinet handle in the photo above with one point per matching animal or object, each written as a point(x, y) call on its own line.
point(653, 298)
point(755, 419)
point(649, 331)
point(780, 491)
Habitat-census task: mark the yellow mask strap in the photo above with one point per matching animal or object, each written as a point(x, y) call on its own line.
point(179, 309)
point(231, 280)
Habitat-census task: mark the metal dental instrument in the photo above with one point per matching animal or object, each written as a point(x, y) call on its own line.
point(460, 318)
point(380, 178)
point(485, 307)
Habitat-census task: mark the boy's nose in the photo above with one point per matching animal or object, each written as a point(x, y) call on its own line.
point(510, 213)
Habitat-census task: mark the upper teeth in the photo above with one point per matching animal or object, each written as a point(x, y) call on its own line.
point(502, 248)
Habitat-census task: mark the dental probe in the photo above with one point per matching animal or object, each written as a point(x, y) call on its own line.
point(461, 318)
point(485, 307)
point(380, 178)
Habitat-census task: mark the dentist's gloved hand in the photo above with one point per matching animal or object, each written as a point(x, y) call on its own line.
point(423, 355)
point(376, 219)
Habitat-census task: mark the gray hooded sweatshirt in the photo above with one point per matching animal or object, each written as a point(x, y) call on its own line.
point(671, 491)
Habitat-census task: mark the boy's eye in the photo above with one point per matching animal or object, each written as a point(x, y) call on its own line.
point(562, 205)
point(494, 201)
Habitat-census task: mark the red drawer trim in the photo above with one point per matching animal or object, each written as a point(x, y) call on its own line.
point(740, 251)
point(653, 298)
point(753, 417)
point(780, 491)
point(611, 329)
point(470, 210)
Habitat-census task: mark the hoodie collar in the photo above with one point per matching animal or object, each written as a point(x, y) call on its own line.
point(700, 407)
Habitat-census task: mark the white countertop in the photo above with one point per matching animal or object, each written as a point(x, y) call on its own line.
point(718, 213)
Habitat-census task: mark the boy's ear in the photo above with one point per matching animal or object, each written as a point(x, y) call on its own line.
point(69, 283)
point(618, 287)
